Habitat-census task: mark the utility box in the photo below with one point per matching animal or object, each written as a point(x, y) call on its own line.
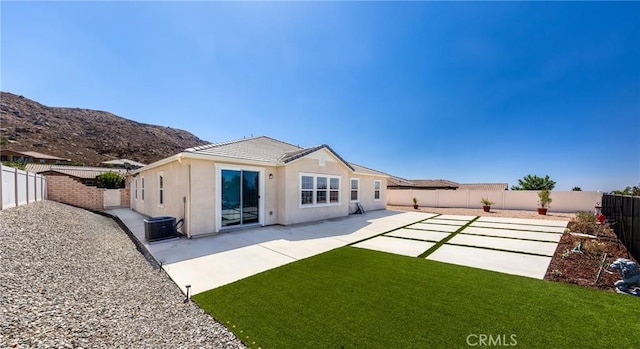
point(160, 228)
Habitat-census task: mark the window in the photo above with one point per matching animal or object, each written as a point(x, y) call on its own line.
point(142, 188)
point(321, 187)
point(355, 191)
point(334, 190)
point(376, 190)
point(306, 186)
point(319, 190)
point(135, 189)
point(161, 189)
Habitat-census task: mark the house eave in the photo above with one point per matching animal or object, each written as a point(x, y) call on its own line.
point(215, 158)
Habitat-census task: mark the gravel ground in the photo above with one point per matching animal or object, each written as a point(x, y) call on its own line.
point(73, 279)
point(494, 212)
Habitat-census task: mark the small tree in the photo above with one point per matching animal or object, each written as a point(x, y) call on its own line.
point(486, 202)
point(576, 189)
point(530, 182)
point(110, 180)
point(545, 198)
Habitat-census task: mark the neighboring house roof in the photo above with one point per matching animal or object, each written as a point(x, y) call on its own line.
point(434, 183)
point(261, 149)
point(394, 181)
point(36, 155)
point(74, 171)
point(484, 186)
point(398, 182)
point(122, 162)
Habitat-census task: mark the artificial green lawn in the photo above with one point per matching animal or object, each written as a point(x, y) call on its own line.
point(357, 298)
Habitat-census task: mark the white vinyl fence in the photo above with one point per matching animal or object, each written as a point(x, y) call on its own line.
point(563, 201)
point(20, 187)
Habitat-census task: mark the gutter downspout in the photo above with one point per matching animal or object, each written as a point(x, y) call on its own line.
point(189, 205)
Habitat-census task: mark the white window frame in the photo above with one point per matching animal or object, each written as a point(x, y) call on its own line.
point(314, 190)
point(142, 189)
point(351, 190)
point(135, 189)
point(379, 190)
point(161, 191)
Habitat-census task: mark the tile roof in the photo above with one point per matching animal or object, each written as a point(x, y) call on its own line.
point(121, 162)
point(362, 169)
point(36, 155)
point(395, 181)
point(434, 183)
point(74, 171)
point(442, 184)
point(290, 156)
point(261, 148)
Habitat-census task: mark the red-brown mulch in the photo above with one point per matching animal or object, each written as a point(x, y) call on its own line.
point(582, 268)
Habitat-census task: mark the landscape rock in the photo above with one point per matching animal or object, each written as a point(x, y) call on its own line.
point(73, 279)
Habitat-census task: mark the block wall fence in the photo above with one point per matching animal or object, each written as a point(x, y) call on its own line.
point(67, 190)
point(563, 201)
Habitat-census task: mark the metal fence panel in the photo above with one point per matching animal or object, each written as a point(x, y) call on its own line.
point(625, 212)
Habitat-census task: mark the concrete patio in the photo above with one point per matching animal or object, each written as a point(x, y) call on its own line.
point(514, 246)
point(214, 261)
point(509, 245)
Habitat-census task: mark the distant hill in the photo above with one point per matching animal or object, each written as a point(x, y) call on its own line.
point(84, 135)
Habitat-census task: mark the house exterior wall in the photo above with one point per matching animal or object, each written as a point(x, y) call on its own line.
point(201, 200)
point(272, 197)
point(175, 180)
point(198, 180)
point(294, 212)
point(367, 198)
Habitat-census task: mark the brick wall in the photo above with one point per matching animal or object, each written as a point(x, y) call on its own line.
point(125, 198)
point(71, 191)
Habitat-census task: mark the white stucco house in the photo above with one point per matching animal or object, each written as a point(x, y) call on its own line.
point(256, 181)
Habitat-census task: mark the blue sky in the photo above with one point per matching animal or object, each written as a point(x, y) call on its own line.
point(465, 91)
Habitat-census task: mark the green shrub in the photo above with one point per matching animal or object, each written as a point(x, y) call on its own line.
point(18, 165)
point(585, 223)
point(110, 180)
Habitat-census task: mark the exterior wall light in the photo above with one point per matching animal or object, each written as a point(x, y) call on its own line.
point(270, 175)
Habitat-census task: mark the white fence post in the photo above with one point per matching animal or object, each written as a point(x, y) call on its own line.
point(15, 177)
point(1, 188)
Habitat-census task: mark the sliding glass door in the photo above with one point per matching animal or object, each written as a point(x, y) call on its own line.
point(240, 197)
